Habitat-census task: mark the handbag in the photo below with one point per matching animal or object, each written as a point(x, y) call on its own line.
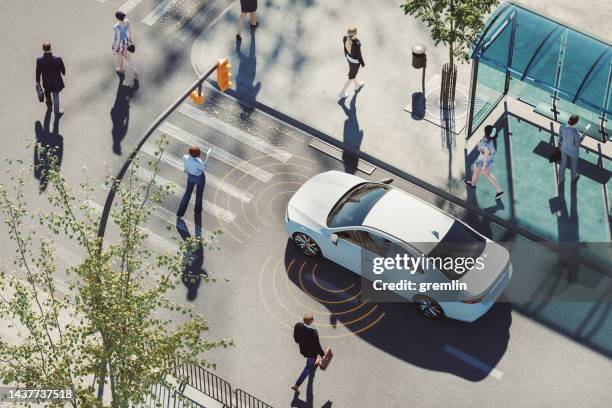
point(131, 48)
point(40, 93)
point(555, 156)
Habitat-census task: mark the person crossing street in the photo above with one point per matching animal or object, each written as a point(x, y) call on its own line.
point(308, 339)
point(51, 69)
point(195, 168)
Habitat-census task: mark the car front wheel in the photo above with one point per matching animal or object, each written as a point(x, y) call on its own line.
point(428, 307)
point(306, 244)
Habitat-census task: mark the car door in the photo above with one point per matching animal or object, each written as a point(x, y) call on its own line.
point(420, 275)
point(346, 251)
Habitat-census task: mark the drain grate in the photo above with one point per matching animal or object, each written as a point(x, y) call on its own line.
point(336, 153)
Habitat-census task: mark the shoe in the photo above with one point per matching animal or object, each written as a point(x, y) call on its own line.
point(238, 38)
point(501, 193)
point(343, 95)
point(359, 86)
point(469, 183)
point(296, 389)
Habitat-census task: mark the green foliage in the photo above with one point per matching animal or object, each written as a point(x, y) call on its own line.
point(117, 322)
point(455, 23)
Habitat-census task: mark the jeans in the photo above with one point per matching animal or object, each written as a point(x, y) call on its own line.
point(55, 101)
point(308, 370)
point(574, 164)
point(192, 181)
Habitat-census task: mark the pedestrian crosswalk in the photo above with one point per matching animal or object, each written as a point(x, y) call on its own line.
point(162, 8)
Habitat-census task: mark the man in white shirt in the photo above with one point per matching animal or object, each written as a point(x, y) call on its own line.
point(195, 168)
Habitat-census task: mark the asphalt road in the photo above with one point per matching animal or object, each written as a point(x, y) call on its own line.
point(522, 353)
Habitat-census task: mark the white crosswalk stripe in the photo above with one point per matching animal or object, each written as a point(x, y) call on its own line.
point(129, 5)
point(217, 152)
point(207, 206)
point(212, 180)
point(237, 134)
point(161, 9)
point(162, 244)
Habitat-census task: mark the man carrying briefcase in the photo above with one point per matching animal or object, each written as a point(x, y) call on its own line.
point(308, 338)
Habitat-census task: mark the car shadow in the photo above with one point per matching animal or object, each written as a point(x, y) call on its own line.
point(398, 328)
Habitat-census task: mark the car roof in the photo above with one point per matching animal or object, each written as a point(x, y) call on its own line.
point(408, 218)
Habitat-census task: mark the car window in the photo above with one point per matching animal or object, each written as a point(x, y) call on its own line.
point(367, 240)
point(355, 205)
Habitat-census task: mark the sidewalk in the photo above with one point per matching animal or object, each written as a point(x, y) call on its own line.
point(293, 64)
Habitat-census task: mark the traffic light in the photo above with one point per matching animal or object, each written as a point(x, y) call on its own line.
point(224, 74)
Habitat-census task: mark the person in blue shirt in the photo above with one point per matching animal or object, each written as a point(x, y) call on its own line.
point(569, 141)
point(194, 168)
point(121, 42)
point(487, 149)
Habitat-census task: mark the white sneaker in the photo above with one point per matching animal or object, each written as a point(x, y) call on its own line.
point(359, 86)
point(343, 95)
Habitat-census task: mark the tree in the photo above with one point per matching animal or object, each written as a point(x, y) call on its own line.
point(117, 323)
point(454, 23)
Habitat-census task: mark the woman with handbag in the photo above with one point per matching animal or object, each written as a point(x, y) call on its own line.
point(487, 149)
point(123, 45)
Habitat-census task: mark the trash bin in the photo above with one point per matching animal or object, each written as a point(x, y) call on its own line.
point(419, 58)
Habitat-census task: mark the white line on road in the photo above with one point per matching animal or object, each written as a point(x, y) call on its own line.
point(129, 5)
point(161, 9)
point(160, 243)
point(229, 130)
point(216, 182)
point(217, 152)
point(207, 206)
point(474, 362)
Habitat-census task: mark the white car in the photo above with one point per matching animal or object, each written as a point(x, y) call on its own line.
point(347, 219)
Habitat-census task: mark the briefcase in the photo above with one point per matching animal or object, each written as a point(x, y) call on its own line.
point(40, 93)
point(327, 357)
point(555, 156)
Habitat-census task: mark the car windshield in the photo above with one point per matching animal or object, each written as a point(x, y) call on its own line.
point(355, 205)
point(459, 243)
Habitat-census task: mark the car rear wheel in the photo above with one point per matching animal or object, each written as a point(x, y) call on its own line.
point(306, 244)
point(428, 307)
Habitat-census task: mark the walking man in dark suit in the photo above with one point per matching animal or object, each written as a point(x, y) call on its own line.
point(51, 69)
point(310, 347)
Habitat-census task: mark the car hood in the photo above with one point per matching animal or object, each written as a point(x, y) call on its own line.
point(314, 200)
point(496, 262)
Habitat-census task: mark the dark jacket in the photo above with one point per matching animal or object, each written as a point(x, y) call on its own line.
point(308, 339)
point(51, 68)
point(355, 50)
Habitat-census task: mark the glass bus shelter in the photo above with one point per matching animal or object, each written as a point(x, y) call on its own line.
point(554, 68)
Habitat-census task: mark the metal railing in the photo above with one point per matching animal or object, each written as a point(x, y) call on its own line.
point(246, 400)
point(163, 396)
point(202, 380)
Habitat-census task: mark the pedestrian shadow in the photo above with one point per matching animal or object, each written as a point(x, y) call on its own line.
point(120, 112)
point(245, 79)
point(352, 135)
point(48, 150)
point(193, 257)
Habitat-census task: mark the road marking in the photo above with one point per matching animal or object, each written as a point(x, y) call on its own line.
point(229, 130)
point(207, 206)
point(216, 182)
point(217, 152)
point(157, 241)
point(161, 9)
point(473, 361)
point(129, 5)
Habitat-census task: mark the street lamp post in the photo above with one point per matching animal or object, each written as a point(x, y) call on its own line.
point(419, 60)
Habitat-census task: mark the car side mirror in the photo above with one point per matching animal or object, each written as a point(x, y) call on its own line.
point(334, 239)
point(387, 180)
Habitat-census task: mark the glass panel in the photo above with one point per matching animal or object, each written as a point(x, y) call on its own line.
point(494, 23)
point(581, 52)
point(531, 30)
point(497, 47)
point(489, 90)
point(542, 71)
point(593, 91)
